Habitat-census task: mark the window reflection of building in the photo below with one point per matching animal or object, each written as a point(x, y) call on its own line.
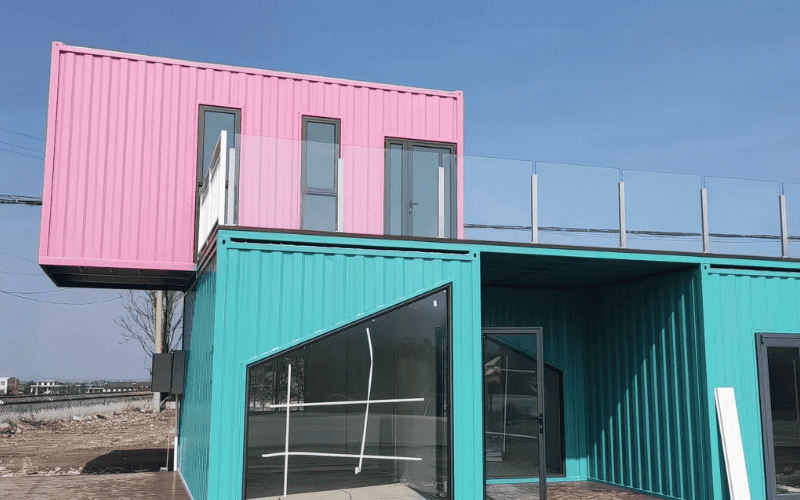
point(407, 439)
point(510, 409)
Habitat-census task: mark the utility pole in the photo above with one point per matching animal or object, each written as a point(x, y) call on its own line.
point(159, 340)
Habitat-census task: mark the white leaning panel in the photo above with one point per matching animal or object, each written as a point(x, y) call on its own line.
point(728, 419)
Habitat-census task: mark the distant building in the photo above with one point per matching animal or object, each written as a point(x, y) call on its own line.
point(9, 385)
point(46, 387)
point(118, 387)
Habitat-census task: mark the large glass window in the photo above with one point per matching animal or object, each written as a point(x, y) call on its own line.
point(369, 410)
point(321, 139)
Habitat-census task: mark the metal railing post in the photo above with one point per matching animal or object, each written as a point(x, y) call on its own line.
point(340, 195)
point(704, 219)
point(784, 227)
point(623, 235)
point(534, 209)
point(441, 201)
point(230, 199)
point(222, 170)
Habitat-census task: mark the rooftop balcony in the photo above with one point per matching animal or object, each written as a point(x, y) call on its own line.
point(414, 192)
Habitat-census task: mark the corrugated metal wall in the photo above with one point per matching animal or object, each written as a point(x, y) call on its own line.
point(739, 304)
point(276, 295)
point(646, 406)
point(195, 418)
point(559, 314)
point(120, 172)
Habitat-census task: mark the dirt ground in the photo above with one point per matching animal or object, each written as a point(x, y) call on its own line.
point(131, 441)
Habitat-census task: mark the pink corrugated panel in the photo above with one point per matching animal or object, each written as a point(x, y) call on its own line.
point(121, 157)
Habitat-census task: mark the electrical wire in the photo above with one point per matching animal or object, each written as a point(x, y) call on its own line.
point(20, 133)
point(23, 274)
point(18, 257)
point(43, 291)
point(23, 154)
point(21, 147)
point(59, 303)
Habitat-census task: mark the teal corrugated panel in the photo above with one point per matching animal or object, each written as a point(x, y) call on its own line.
point(195, 419)
point(274, 296)
point(640, 340)
point(737, 305)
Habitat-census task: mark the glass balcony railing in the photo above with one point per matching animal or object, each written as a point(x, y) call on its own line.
point(413, 189)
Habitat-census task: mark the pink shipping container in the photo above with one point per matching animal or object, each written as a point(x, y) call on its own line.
point(124, 141)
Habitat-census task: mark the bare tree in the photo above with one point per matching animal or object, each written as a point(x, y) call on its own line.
point(139, 323)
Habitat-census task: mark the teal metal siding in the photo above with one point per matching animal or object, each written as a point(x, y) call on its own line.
point(646, 420)
point(196, 404)
point(558, 313)
point(274, 296)
point(738, 305)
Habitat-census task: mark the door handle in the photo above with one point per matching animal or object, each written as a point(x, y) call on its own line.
point(411, 206)
point(541, 424)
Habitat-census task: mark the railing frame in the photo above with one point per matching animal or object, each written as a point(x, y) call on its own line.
point(217, 194)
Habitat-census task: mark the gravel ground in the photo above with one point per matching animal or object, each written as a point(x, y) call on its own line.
point(131, 441)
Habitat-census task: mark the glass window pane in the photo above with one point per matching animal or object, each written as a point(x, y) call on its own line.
point(319, 212)
point(449, 162)
point(511, 410)
point(214, 123)
point(783, 383)
point(511, 423)
point(425, 190)
point(407, 351)
point(321, 153)
point(395, 189)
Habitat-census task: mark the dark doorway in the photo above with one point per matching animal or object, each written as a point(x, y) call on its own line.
point(779, 379)
point(514, 405)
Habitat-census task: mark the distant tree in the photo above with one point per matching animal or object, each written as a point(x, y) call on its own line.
point(139, 322)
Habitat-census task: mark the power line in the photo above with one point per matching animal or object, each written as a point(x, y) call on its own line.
point(43, 291)
point(18, 257)
point(20, 133)
point(21, 147)
point(59, 303)
point(24, 274)
point(23, 154)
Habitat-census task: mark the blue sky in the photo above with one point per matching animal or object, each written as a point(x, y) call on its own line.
point(707, 88)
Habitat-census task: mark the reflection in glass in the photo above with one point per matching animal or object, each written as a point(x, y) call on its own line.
point(783, 384)
point(320, 157)
point(394, 189)
point(215, 122)
point(319, 212)
point(511, 416)
point(322, 152)
point(426, 162)
point(403, 356)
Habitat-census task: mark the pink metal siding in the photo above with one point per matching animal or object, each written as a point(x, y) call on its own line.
point(120, 170)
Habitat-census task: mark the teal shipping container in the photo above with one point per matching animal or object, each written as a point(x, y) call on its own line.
point(410, 368)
